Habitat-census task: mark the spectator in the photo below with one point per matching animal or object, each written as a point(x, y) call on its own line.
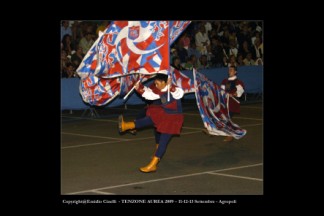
point(65, 29)
point(202, 40)
point(77, 57)
point(86, 42)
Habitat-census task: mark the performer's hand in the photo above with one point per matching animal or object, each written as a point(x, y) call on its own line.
point(169, 81)
point(137, 85)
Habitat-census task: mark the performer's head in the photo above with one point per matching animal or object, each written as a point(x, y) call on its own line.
point(232, 70)
point(161, 80)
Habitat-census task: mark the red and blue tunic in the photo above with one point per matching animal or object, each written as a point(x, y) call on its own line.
point(167, 115)
point(233, 85)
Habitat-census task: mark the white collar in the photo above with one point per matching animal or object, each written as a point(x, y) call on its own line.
point(164, 89)
point(232, 78)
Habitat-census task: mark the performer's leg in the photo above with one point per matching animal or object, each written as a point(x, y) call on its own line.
point(141, 114)
point(143, 122)
point(163, 142)
point(140, 123)
point(157, 140)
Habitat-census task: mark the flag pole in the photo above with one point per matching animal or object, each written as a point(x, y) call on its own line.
point(169, 89)
point(132, 89)
point(230, 95)
point(169, 60)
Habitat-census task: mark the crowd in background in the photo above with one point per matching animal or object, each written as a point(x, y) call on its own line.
point(202, 45)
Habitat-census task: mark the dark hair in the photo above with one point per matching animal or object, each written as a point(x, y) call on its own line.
point(162, 77)
point(235, 68)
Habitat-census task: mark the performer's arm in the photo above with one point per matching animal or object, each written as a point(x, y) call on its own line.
point(239, 91)
point(176, 92)
point(146, 92)
point(223, 84)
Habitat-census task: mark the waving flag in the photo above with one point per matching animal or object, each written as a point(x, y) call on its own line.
point(212, 105)
point(89, 62)
point(126, 48)
point(182, 81)
point(176, 28)
point(97, 91)
point(133, 47)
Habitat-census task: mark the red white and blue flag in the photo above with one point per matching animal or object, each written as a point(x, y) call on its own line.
point(126, 48)
point(182, 81)
point(98, 92)
point(133, 47)
point(213, 108)
point(176, 28)
point(89, 63)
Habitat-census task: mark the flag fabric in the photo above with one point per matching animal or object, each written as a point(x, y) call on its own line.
point(182, 81)
point(123, 50)
point(133, 47)
point(176, 28)
point(89, 62)
point(127, 83)
point(212, 103)
point(98, 92)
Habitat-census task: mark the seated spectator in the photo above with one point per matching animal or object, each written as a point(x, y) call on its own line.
point(217, 53)
point(240, 61)
point(68, 71)
point(231, 61)
point(177, 64)
point(77, 57)
point(66, 42)
point(86, 42)
point(191, 63)
point(259, 61)
point(203, 63)
point(185, 40)
point(193, 51)
point(182, 53)
point(65, 29)
point(245, 49)
point(232, 48)
point(258, 48)
point(248, 60)
point(64, 60)
point(202, 40)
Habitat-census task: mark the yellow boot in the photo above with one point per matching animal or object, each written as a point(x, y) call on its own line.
point(152, 166)
point(124, 126)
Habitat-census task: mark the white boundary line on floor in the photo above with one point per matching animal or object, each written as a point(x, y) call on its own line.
point(90, 144)
point(189, 114)
point(82, 118)
point(236, 176)
point(101, 137)
point(121, 140)
point(163, 179)
point(199, 130)
point(101, 192)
